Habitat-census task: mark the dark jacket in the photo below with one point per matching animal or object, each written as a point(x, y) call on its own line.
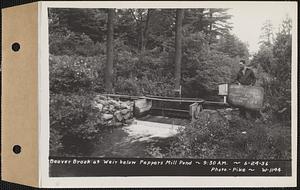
point(246, 79)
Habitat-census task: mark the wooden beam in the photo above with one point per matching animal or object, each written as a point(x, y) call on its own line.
point(174, 100)
point(170, 109)
point(158, 98)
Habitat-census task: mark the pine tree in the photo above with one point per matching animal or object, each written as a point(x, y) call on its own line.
point(266, 38)
point(178, 47)
point(109, 52)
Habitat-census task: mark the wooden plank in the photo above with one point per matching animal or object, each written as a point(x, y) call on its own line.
point(172, 97)
point(173, 100)
point(170, 109)
point(122, 96)
point(158, 98)
point(212, 103)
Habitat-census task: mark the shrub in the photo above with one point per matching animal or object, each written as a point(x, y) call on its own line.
point(73, 121)
point(144, 86)
point(66, 42)
point(198, 139)
point(75, 74)
point(218, 68)
point(277, 106)
point(217, 135)
point(56, 145)
point(143, 75)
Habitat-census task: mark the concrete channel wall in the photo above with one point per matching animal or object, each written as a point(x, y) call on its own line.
point(154, 105)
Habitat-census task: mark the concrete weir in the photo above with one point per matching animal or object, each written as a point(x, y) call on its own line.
point(174, 107)
point(144, 106)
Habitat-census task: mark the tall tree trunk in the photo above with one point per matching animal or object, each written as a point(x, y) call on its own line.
point(210, 27)
point(146, 30)
point(178, 47)
point(141, 45)
point(109, 51)
point(141, 31)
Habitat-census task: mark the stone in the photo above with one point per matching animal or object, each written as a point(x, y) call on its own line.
point(117, 105)
point(107, 116)
point(111, 107)
point(99, 106)
point(100, 98)
point(118, 116)
point(124, 111)
point(114, 102)
point(124, 105)
point(129, 121)
point(127, 116)
point(103, 102)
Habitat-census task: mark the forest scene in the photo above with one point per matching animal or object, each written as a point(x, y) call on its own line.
point(180, 53)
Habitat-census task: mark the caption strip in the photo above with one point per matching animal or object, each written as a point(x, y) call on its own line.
point(69, 167)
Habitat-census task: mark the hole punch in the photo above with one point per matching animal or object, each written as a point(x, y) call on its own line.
point(15, 47)
point(17, 149)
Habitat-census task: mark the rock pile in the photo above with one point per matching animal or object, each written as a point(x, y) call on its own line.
point(113, 112)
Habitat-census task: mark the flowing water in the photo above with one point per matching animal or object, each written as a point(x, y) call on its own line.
point(150, 137)
point(139, 139)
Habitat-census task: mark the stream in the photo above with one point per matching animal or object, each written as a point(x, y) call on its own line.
point(148, 137)
point(141, 139)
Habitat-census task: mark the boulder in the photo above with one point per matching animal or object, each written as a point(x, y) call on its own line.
point(114, 112)
point(100, 98)
point(99, 106)
point(112, 102)
point(118, 116)
point(127, 116)
point(124, 105)
point(107, 116)
point(129, 121)
point(124, 111)
point(111, 108)
point(118, 105)
point(103, 102)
